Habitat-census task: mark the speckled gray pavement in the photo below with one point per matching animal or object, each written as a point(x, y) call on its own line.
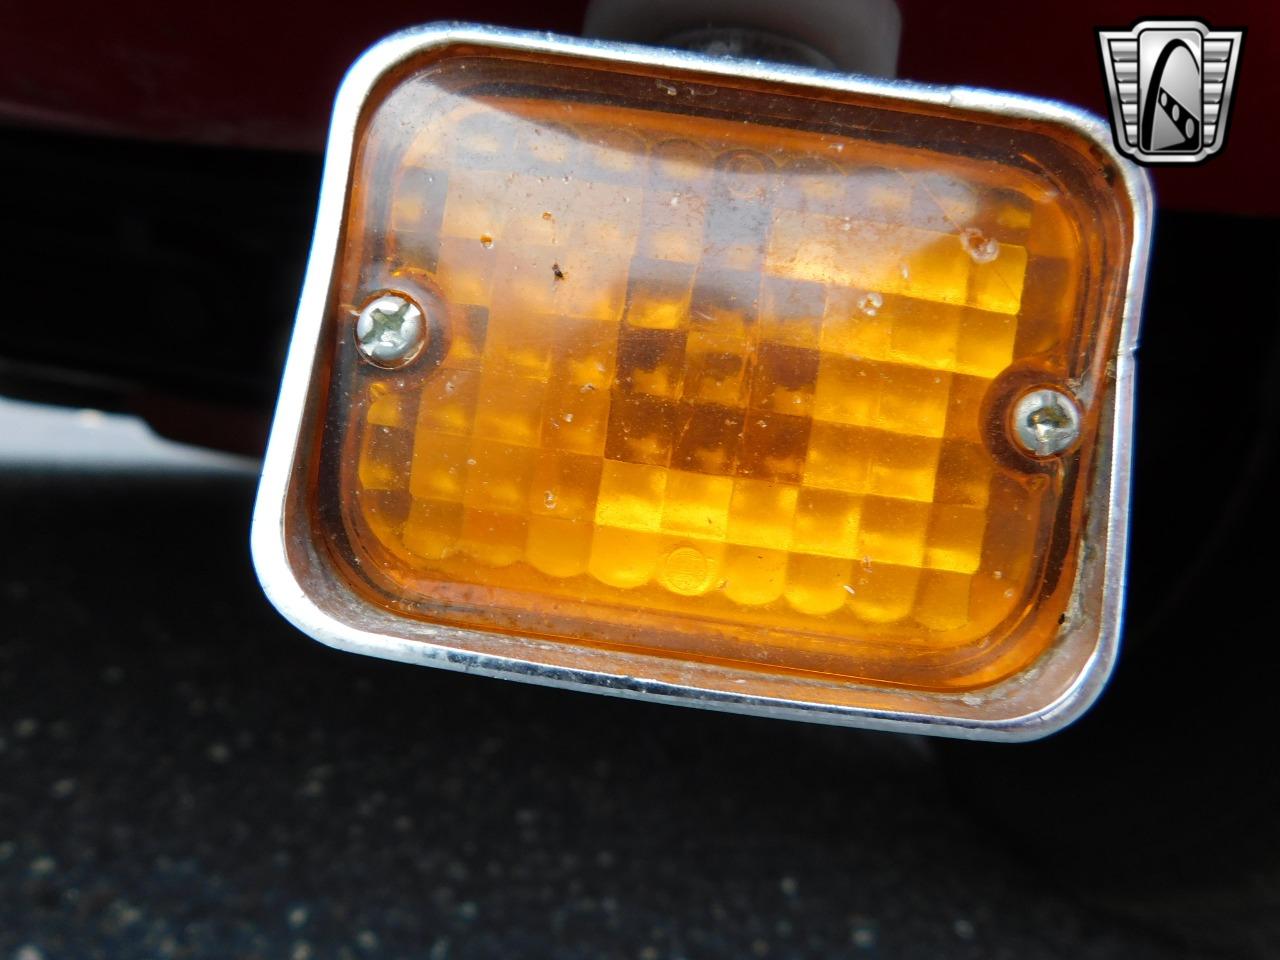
point(184, 775)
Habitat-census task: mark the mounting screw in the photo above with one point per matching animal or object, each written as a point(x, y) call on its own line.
point(391, 330)
point(1046, 422)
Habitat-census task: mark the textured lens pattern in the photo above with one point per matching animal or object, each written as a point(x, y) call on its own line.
point(728, 373)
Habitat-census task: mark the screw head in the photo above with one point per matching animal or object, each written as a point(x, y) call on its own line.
point(1046, 422)
point(391, 330)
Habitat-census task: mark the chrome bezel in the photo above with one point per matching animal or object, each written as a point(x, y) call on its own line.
point(305, 589)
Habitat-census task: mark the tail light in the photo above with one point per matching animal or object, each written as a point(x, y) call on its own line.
point(747, 387)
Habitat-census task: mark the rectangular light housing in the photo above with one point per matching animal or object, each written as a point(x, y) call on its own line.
point(731, 385)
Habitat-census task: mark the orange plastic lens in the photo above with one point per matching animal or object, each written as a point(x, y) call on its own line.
point(716, 371)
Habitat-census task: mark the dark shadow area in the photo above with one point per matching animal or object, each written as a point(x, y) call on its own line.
point(170, 274)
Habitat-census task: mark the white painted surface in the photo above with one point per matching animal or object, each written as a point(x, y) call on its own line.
point(33, 434)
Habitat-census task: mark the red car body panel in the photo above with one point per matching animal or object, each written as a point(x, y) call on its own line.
point(262, 73)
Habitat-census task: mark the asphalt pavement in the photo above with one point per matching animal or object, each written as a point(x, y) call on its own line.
point(184, 775)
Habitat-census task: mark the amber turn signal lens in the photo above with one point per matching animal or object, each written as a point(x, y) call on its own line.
point(781, 392)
